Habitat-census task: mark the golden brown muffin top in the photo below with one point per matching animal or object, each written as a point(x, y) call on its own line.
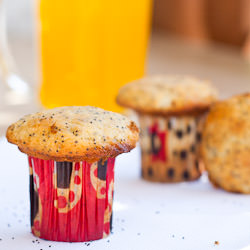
point(226, 143)
point(74, 134)
point(168, 95)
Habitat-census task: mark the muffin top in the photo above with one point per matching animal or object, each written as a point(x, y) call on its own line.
point(74, 134)
point(226, 142)
point(168, 95)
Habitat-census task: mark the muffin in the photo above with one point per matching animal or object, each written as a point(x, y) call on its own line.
point(226, 144)
point(71, 154)
point(171, 111)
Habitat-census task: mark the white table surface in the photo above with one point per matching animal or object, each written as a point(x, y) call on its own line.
point(147, 216)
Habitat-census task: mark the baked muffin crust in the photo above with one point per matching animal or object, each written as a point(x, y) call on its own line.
point(74, 133)
point(226, 144)
point(168, 95)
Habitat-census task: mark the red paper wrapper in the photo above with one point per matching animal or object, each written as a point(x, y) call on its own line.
point(170, 147)
point(71, 201)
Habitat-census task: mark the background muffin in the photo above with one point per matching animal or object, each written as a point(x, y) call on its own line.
point(226, 144)
point(171, 111)
point(168, 95)
point(71, 152)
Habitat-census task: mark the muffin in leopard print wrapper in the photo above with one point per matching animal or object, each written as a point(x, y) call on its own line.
point(71, 155)
point(171, 111)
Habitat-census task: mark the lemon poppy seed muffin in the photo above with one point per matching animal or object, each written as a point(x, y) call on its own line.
point(226, 144)
point(71, 154)
point(168, 95)
point(171, 111)
point(74, 134)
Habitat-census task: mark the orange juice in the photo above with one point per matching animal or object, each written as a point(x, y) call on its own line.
point(90, 48)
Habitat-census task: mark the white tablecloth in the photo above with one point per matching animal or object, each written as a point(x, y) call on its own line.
point(147, 216)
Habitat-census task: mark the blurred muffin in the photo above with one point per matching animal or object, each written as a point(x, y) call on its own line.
point(171, 111)
point(226, 144)
point(71, 153)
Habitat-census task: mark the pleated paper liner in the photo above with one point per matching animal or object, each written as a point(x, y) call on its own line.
point(170, 148)
point(71, 201)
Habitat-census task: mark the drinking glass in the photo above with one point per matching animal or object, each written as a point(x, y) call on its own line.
point(90, 48)
point(15, 93)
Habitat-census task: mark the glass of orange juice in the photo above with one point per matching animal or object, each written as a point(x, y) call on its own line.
point(90, 48)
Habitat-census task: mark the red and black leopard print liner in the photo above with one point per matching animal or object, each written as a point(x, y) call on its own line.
point(71, 201)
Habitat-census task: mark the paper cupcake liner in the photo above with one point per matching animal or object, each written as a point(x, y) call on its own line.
point(170, 148)
point(71, 201)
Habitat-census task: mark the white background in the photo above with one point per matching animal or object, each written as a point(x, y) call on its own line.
point(147, 216)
